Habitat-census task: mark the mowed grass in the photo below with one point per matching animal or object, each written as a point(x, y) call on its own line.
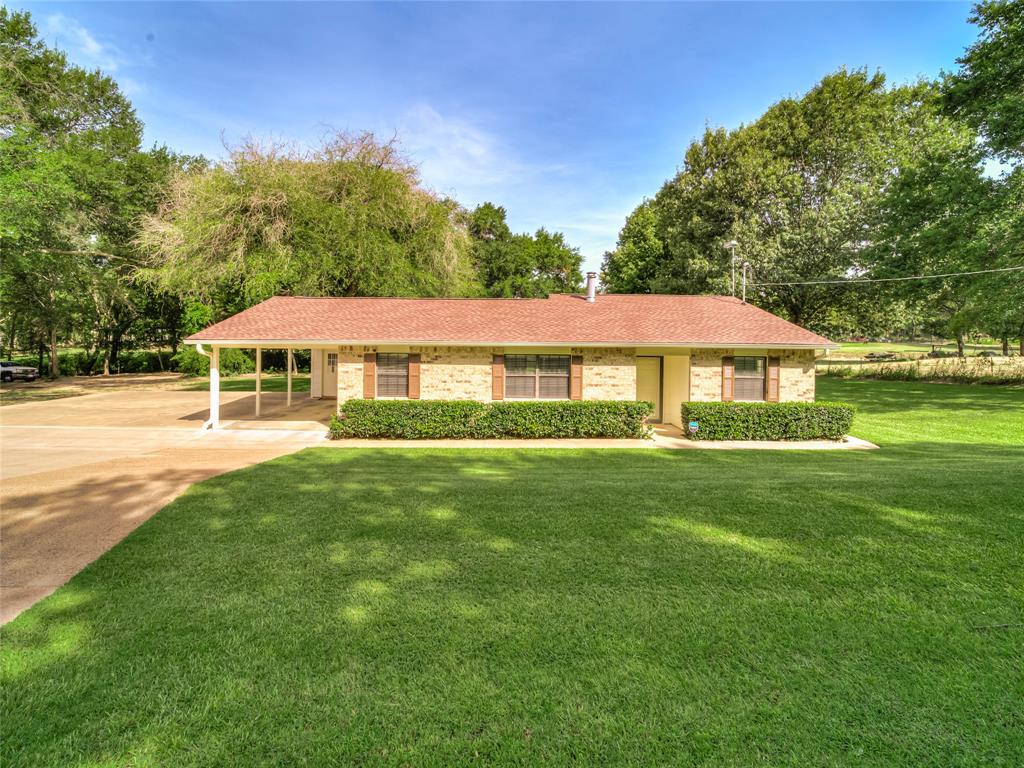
point(247, 383)
point(858, 348)
point(440, 608)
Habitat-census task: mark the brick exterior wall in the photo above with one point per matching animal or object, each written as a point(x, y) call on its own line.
point(350, 373)
point(455, 373)
point(796, 373)
point(608, 374)
point(464, 373)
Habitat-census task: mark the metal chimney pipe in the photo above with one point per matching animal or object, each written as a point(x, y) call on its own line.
point(591, 287)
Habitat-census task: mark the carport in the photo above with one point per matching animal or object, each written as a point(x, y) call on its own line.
point(214, 356)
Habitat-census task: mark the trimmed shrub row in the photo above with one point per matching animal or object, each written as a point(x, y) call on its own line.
point(463, 419)
point(769, 421)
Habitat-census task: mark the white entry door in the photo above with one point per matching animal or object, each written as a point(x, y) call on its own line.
point(648, 383)
point(330, 369)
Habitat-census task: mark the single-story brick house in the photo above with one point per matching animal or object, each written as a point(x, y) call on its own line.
point(666, 349)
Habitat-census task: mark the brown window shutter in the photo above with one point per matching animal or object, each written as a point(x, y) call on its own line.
point(498, 378)
point(576, 378)
point(369, 375)
point(728, 375)
point(771, 393)
point(414, 377)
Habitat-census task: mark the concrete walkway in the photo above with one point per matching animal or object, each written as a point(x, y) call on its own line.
point(665, 437)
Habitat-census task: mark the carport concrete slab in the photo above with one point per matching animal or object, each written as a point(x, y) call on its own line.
point(81, 473)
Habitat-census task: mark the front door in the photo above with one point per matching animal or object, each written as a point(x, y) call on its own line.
point(330, 369)
point(648, 383)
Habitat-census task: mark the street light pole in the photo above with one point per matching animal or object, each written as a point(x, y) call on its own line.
point(731, 245)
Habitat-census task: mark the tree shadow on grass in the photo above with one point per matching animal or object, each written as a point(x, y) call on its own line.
point(435, 607)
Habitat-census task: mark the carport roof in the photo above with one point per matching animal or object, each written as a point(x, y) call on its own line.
point(569, 320)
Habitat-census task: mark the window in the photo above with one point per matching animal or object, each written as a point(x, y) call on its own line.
point(749, 378)
point(332, 361)
point(544, 377)
point(392, 375)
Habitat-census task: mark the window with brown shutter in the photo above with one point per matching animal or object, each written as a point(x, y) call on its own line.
point(392, 374)
point(537, 377)
point(749, 378)
point(772, 384)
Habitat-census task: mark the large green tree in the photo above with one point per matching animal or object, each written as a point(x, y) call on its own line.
point(633, 265)
point(988, 90)
point(520, 265)
point(799, 190)
point(74, 181)
point(348, 218)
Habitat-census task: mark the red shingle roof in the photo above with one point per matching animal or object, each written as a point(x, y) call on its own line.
point(614, 320)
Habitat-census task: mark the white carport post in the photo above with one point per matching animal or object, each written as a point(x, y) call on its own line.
point(259, 383)
point(214, 421)
point(291, 361)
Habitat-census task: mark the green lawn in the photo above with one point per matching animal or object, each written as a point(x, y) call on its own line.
point(857, 348)
point(429, 607)
point(270, 383)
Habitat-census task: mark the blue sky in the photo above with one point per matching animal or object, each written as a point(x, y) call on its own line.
point(566, 114)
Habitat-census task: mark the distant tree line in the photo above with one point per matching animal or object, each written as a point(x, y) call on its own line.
point(857, 179)
point(107, 245)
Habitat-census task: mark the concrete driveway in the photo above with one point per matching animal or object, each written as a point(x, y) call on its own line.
point(78, 474)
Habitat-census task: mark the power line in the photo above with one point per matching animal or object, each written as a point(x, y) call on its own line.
point(892, 279)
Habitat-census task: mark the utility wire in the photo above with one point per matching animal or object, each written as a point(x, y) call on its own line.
point(891, 279)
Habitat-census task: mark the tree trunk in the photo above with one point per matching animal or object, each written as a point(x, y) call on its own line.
point(1006, 345)
point(106, 353)
point(54, 360)
point(959, 343)
point(1022, 346)
point(115, 346)
point(39, 365)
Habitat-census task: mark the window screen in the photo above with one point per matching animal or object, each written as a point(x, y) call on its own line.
point(537, 376)
point(392, 375)
point(749, 378)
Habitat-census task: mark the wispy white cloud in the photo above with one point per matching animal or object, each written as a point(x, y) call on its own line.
point(81, 45)
point(456, 155)
point(132, 87)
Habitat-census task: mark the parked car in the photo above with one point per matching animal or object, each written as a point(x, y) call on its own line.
point(10, 371)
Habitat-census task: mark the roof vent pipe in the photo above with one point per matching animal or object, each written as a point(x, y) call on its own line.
point(591, 287)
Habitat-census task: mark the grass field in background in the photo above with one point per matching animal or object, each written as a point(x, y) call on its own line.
point(559, 607)
point(247, 383)
point(861, 348)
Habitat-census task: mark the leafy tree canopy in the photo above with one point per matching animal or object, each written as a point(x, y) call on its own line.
point(73, 180)
point(348, 218)
point(798, 189)
point(988, 90)
point(521, 266)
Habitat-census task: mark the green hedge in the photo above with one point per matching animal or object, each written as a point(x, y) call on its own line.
point(461, 419)
point(232, 362)
point(82, 363)
point(769, 421)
